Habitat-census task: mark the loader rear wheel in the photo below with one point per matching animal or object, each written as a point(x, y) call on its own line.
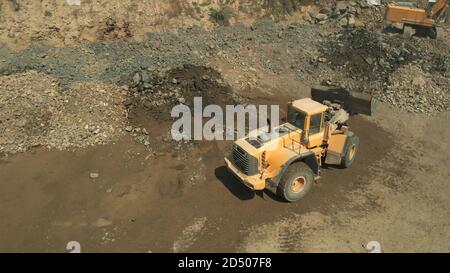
point(351, 149)
point(296, 182)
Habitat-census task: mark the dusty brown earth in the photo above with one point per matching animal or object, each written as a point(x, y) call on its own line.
point(114, 187)
point(396, 193)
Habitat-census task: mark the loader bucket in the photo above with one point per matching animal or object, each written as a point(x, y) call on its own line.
point(354, 103)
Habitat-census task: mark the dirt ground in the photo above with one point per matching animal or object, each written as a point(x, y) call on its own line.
point(396, 193)
point(103, 171)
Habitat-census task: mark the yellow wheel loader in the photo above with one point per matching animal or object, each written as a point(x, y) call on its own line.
point(287, 159)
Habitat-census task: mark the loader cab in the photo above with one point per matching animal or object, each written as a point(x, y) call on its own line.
point(308, 115)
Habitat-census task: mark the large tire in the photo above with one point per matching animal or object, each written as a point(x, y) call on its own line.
point(296, 182)
point(351, 148)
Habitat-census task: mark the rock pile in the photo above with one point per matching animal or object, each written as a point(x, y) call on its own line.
point(407, 73)
point(343, 13)
point(414, 90)
point(92, 114)
point(33, 112)
point(159, 93)
point(367, 54)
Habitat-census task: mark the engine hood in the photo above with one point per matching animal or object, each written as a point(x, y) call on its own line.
point(259, 140)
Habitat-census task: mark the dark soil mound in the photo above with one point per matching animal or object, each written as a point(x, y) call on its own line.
point(368, 55)
point(160, 93)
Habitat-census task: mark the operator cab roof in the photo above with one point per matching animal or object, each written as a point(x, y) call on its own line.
point(309, 106)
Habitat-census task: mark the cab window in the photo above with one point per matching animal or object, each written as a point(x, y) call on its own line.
point(315, 124)
point(295, 117)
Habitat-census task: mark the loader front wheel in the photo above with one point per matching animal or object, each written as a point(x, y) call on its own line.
point(350, 151)
point(296, 182)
